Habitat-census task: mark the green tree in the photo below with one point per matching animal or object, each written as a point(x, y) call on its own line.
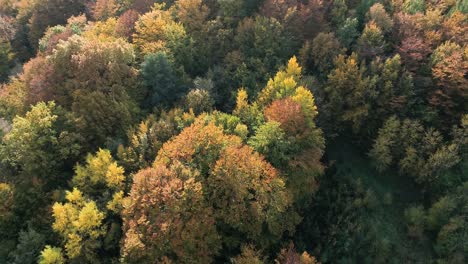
point(414, 6)
point(338, 12)
point(6, 59)
point(419, 152)
point(49, 139)
point(161, 79)
point(447, 217)
point(348, 32)
point(29, 247)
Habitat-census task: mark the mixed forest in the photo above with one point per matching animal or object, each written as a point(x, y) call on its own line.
point(233, 131)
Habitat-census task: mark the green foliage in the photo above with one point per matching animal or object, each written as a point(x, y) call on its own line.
point(28, 248)
point(100, 118)
point(161, 79)
point(146, 139)
point(415, 219)
point(348, 32)
point(269, 140)
point(338, 12)
point(414, 6)
point(6, 59)
point(321, 54)
point(49, 139)
point(420, 153)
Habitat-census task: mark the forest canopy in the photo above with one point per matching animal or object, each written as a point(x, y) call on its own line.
point(233, 131)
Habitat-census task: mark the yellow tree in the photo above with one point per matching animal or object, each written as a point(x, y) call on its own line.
point(79, 223)
point(158, 31)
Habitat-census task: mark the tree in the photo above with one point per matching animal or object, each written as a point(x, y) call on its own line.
point(414, 6)
point(395, 93)
point(231, 178)
point(371, 43)
point(288, 114)
point(51, 255)
point(289, 255)
point(338, 12)
point(53, 35)
point(79, 223)
point(161, 79)
point(172, 203)
point(303, 19)
point(199, 101)
point(157, 31)
point(249, 256)
point(49, 138)
point(104, 9)
point(454, 27)
point(414, 52)
point(415, 217)
point(100, 175)
point(348, 32)
point(47, 13)
point(97, 81)
point(93, 65)
point(126, 23)
point(418, 152)
point(449, 67)
point(101, 118)
point(381, 150)
point(29, 247)
point(348, 91)
point(379, 16)
point(145, 140)
point(447, 217)
point(262, 47)
point(321, 53)
point(6, 59)
point(191, 13)
point(284, 101)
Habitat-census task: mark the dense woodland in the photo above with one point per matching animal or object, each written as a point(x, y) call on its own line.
point(233, 131)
